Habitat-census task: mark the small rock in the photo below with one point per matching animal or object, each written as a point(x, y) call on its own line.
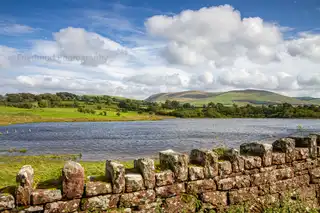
point(175, 161)
point(164, 178)
point(104, 202)
point(206, 158)
point(225, 168)
point(147, 170)
point(137, 198)
point(62, 206)
point(196, 173)
point(116, 172)
point(134, 182)
point(252, 162)
point(200, 186)
point(25, 180)
point(98, 188)
point(217, 199)
point(6, 202)
point(72, 180)
point(42, 196)
point(170, 190)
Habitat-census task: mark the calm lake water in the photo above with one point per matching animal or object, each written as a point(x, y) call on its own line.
point(128, 140)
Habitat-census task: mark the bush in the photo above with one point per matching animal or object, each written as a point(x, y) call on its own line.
point(118, 114)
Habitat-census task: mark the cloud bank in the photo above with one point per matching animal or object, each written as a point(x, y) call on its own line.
point(212, 48)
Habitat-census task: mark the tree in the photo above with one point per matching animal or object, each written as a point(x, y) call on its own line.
point(43, 103)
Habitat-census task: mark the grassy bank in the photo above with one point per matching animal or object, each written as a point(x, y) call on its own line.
point(13, 115)
point(47, 169)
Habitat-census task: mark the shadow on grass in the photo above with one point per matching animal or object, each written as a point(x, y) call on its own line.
point(131, 170)
point(101, 178)
point(50, 184)
point(8, 190)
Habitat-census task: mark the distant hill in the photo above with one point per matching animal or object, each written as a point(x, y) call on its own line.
point(239, 97)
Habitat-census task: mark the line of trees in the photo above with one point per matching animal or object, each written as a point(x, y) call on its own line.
point(171, 108)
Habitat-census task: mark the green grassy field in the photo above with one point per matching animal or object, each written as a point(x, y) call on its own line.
point(47, 169)
point(241, 97)
point(12, 115)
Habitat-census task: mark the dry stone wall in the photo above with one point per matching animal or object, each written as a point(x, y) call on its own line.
point(258, 174)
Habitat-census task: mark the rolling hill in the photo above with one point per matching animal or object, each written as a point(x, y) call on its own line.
point(239, 97)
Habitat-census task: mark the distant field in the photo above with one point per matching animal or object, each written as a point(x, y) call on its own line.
point(12, 115)
point(242, 97)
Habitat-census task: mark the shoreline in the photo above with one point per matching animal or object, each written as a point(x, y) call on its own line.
point(28, 120)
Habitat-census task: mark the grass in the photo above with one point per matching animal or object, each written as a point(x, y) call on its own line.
point(13, 115)
point(47, 169)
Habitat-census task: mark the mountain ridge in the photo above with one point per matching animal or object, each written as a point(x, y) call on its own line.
point(239, 97)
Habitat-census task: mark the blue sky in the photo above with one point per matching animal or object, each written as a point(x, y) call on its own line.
point(145, 47)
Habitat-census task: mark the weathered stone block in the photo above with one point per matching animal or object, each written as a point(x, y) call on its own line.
point(217, 199)
point(315, 175)
point(278, 158)
point(185, 203)
point(206, 158)
point(199, 186)
point(284, 145)
point(238, 164)
point(177, 162)
point(95, 188)
point(6, 202)
point(137, 198)
point(24, 179)
point(134, 182)
point(242, 195)
point(149, 207)
point(33, 209)
point(242, 181)
point(103, 202)
point(23, 196)
point(170, 190)
point(224, 168)
point(264, 189)
point(301, 153)
point(42, 196)
point(283, 186)
point(263, 178)
point(25, 176)
point(146, 167)
point(301, 181)
point(72, 180)
point(226, 184)
point(301, 141)
point(252, 162)
point(258, 149)
point(164, 178)
point(115, 172)
point(62, 206)
point(196, 173)
point(313, 146)
point(286, 173)
point(268, 169)
point(251, 171)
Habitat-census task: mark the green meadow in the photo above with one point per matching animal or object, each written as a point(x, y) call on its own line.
point(13, 115)
point(47, 169)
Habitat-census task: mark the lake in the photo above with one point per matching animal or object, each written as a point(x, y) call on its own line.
point(129, 140)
